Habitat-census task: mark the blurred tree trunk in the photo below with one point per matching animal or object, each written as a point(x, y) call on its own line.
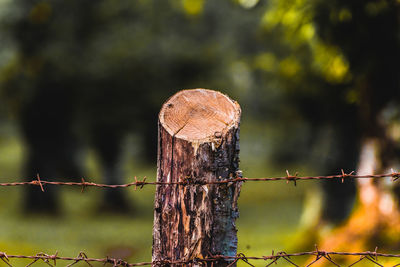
point(375, 221)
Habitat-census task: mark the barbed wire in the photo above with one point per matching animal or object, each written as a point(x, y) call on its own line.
point(51, 260)
point(188, 181)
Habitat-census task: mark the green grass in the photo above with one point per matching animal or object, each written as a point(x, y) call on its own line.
point(269, 216)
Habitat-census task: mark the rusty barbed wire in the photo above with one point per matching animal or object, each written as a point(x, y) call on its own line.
point(51, 260)
point(141, 183)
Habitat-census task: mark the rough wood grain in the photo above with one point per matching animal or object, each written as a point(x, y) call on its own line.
point(198, 141)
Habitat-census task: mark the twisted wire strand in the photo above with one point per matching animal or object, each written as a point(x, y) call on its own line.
point(187, 181)
point(51, 260)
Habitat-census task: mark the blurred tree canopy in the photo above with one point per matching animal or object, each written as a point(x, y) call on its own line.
point(339, 64)
point(297, 64)
point(120, 60)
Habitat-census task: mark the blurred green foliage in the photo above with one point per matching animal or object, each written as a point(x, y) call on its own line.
point(284, 61)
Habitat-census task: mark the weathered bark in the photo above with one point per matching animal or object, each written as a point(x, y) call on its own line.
point(198, 142)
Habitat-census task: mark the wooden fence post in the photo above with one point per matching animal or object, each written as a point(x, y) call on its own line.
point(198, 141)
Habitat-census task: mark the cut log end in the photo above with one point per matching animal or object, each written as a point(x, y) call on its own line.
point(199, 114)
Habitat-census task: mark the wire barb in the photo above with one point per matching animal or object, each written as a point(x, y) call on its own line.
point(345, 175)
point(291, 177)
point(4, 258)
point(83, 184)
point(395, 176)
point(38, 182)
